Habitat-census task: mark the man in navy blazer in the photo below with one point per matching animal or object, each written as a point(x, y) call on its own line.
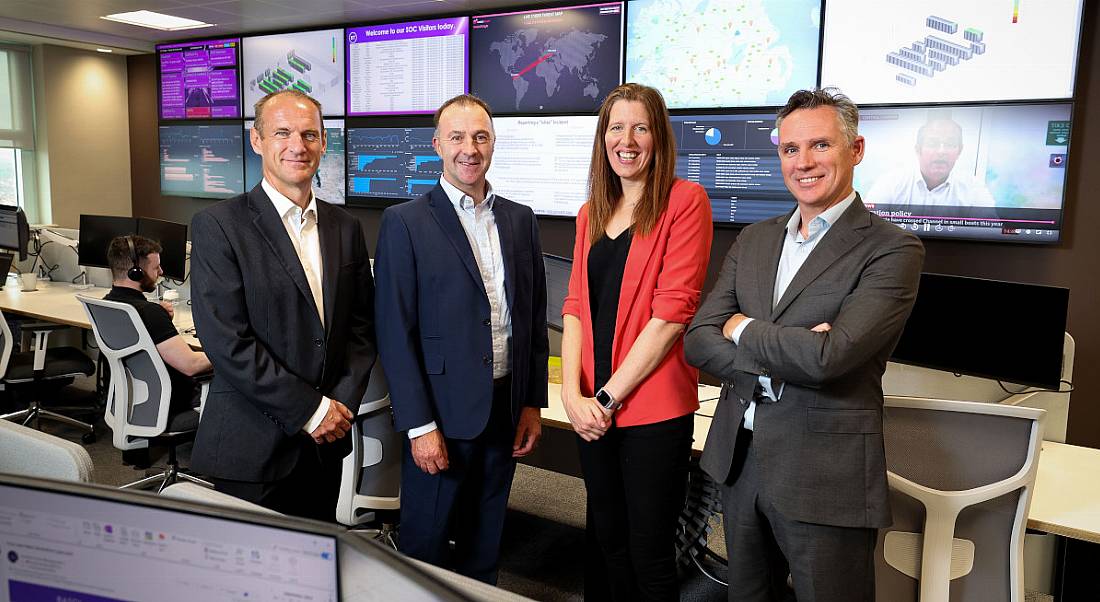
point(461, 318)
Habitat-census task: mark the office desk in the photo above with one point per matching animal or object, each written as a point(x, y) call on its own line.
point(1066, 501)
point(56, 302)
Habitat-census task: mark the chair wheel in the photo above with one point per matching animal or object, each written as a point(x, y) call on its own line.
point(88, 438)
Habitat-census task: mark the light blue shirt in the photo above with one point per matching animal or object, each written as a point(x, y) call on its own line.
point(796, 249)
point(480, 226)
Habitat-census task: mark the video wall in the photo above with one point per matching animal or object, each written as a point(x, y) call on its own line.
point(966, 108)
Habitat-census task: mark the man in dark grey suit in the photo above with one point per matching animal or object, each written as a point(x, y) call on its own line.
point(799, 327)
point(283, 305)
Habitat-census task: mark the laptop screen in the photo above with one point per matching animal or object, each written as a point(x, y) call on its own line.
point(58, 545)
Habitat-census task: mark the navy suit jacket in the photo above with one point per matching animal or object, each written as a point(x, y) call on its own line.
point(432, 315)
point(258, 323)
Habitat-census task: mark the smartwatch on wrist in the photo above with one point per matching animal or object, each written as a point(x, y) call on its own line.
point(607, 401)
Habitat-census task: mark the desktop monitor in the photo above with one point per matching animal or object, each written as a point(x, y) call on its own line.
point(74, 541)
point(200, 79)
point(96, 232)
point(703, 54)
point(971, 326)
point(391, 161)
point(549, 60)
point(557, 287)
point(173, 244)
point(15, 233)
point(308, 61)
point(410, 67)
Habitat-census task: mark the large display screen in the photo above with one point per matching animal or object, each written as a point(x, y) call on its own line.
point(405, 67)
point(310, 61)
point(979, 172)
point(393, 161)
point(201, 161)
point(549, 60)
point(552, 180)
point(703, 54)
point(897, 51)
point(328, 182)
point(199, 80)
point(736, 158)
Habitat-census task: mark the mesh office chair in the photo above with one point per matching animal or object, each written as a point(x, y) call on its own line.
point(961, 476)
point(40, 368)
point(370, 484)
point(27, 452)
point(140, 391)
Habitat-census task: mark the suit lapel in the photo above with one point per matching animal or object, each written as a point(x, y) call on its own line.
point(772, 249)
point(328, 232)
point(507, 248)
point(270, 225)
point(837, 241)
point(639, 256)
point(444, 213)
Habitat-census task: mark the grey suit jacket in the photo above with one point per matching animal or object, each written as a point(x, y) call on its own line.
point(257, 320)
point(820, 447)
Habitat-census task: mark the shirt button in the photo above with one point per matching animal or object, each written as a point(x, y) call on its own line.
point(487, 322)
point(764, 372)
point(485, 359)
point(317, 342)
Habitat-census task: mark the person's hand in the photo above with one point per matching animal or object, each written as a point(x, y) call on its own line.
point(822, 327)
point(429, 451)
point(168, 307)
point(528, 432)
point(336, 424)
point(587, 416)
point(731, 325)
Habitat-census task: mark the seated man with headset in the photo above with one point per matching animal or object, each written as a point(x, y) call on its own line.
point(135, 269)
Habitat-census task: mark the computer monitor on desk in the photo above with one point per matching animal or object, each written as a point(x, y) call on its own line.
point(97, 231)
point(14, 231)
point(76, 541)
point(557, 287)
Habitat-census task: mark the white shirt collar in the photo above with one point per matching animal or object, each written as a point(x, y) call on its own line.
point(823, 221)
point(285, 206)
point(463, 201)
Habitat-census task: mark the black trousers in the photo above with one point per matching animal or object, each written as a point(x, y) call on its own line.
point(467, 502)
point(826, 563)
point(309, 491)
point(636, 478)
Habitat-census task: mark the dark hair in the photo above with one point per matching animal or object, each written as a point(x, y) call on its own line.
point(260, 104)
point(605, 188)
point(464, 100)
point(846, 110)
point(118, 253)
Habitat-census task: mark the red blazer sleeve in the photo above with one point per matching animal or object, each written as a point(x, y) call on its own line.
point(572, 304)
point(684, 269)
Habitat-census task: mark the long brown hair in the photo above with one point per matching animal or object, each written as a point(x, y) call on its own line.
point(605, 188)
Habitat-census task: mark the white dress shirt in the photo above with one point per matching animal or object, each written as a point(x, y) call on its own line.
point(480, 226)
point(907, 187)
point(796, 249)
point(301, 227)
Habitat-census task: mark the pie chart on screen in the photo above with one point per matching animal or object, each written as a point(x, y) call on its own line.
point(713, 136)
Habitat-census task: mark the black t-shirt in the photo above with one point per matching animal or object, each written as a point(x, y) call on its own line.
point(606, 264)
point(160, 327)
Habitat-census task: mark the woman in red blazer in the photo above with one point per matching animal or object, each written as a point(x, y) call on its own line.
point(643, 240)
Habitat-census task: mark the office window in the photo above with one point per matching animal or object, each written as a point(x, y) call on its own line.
point(16, 126)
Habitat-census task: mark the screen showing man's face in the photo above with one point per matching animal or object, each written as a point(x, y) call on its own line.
point(938, 150)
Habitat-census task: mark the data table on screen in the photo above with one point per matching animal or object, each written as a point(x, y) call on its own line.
point(405, 67)
point(202, 161)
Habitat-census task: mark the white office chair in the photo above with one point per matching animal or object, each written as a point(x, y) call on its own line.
point(961, 476)
point(40, 367)
point(30, 453)
point(370, 484)
point(140, 391)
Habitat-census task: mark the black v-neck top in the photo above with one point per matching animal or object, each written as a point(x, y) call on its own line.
point(606, 264)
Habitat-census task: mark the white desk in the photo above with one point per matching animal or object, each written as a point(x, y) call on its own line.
point(56, 302)
point(1066, 501)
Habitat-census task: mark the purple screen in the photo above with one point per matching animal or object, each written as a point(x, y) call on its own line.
point(199, 80)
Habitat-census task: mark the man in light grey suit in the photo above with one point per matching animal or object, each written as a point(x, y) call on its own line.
point(799, 327)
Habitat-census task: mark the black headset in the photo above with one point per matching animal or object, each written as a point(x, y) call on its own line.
point(135, 273)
